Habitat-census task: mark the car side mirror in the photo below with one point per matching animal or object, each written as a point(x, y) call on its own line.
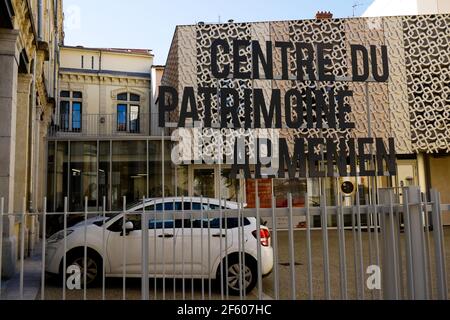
point(129, 226)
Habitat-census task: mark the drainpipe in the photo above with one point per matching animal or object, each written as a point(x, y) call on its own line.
point(40, 18)
point(56, 60)
point(31, 156)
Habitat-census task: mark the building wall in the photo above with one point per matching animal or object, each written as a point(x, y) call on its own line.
point(28, 47)
point(410, 107)
point(105, 60)
point(115, 71)
point(418, 57)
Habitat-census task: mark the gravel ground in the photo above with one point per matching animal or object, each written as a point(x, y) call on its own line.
point(114, 287)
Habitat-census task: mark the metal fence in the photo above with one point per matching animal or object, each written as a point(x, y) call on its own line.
point(393, 249)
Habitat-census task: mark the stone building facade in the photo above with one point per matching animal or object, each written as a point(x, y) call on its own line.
point(30, 32)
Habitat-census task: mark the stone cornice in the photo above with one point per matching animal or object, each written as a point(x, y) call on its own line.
point(103, 79)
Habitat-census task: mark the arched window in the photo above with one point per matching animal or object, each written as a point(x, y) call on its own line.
point(128, 106)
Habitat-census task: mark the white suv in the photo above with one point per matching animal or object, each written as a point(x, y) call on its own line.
point(177, 247)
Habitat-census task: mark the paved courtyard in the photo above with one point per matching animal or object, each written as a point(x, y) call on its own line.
point(114, 289)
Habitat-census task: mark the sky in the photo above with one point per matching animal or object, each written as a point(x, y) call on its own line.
point(150, 24)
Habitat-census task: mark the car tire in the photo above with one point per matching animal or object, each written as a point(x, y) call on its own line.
point(232, 275)
point(94, 272)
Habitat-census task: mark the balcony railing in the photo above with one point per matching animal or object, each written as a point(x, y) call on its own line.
point(95, 125)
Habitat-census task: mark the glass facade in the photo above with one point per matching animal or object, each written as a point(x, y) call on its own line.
point(83, 176)
point(129, 172)
point(109, 170)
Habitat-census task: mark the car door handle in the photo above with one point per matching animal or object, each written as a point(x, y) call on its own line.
point(219, 235)
point(165, 236)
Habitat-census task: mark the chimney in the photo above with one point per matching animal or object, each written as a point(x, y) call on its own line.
point(324, 15)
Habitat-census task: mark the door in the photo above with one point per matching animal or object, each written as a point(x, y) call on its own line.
point(196, 247)
point(160, 256)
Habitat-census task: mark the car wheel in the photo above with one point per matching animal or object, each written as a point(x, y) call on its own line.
point(93, 271)
point(237, 277)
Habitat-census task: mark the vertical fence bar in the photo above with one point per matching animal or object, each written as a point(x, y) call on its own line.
point(124, 249)
point(174, 212)
point(377, 241)
point(355, 256)
point(44, 242)
point(308, 249)
point(22, 247)
point(85, 249)
point(145, 251)
point(369, 235)
point(389, 251)
point(425, 252)
point(258, 246)
point(163, 193)
point(291, 249)
point(243, 248)
point(440, 263)
point(182, 249)
point(326, 258)
point(427, 244)
point(395, 254)
point(275, 249)
point(342, 251)
point(104, 253)
point(226, 252)
point(209, 251)
point(163, 245)
point(240, 250)
point(417, 233)
point(192, 250)
point(409, 255)
point(221, 245)
point(360, 248)
point(65, 249)
point(201, 248)
point(155, 283)
point(2, 207)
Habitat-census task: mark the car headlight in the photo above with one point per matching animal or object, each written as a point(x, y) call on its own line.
point(57, 237)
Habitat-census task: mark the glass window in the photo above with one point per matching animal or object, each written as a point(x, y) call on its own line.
point(65, 94)
point(76, 116)
point(51, 176)
point(229, 187)
point(204, 183)
point(122, 117)
point(62, 167)
point(83, 175)
point(64, 112)
point(297, 187)
point(70, 111)
point(128, 113)
point(182, 181)
point(122, 97)
point(134, 97)
point(77, 95)
point(134, 119)
point(103, 174)
point(129, 172)
point(155, 170)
